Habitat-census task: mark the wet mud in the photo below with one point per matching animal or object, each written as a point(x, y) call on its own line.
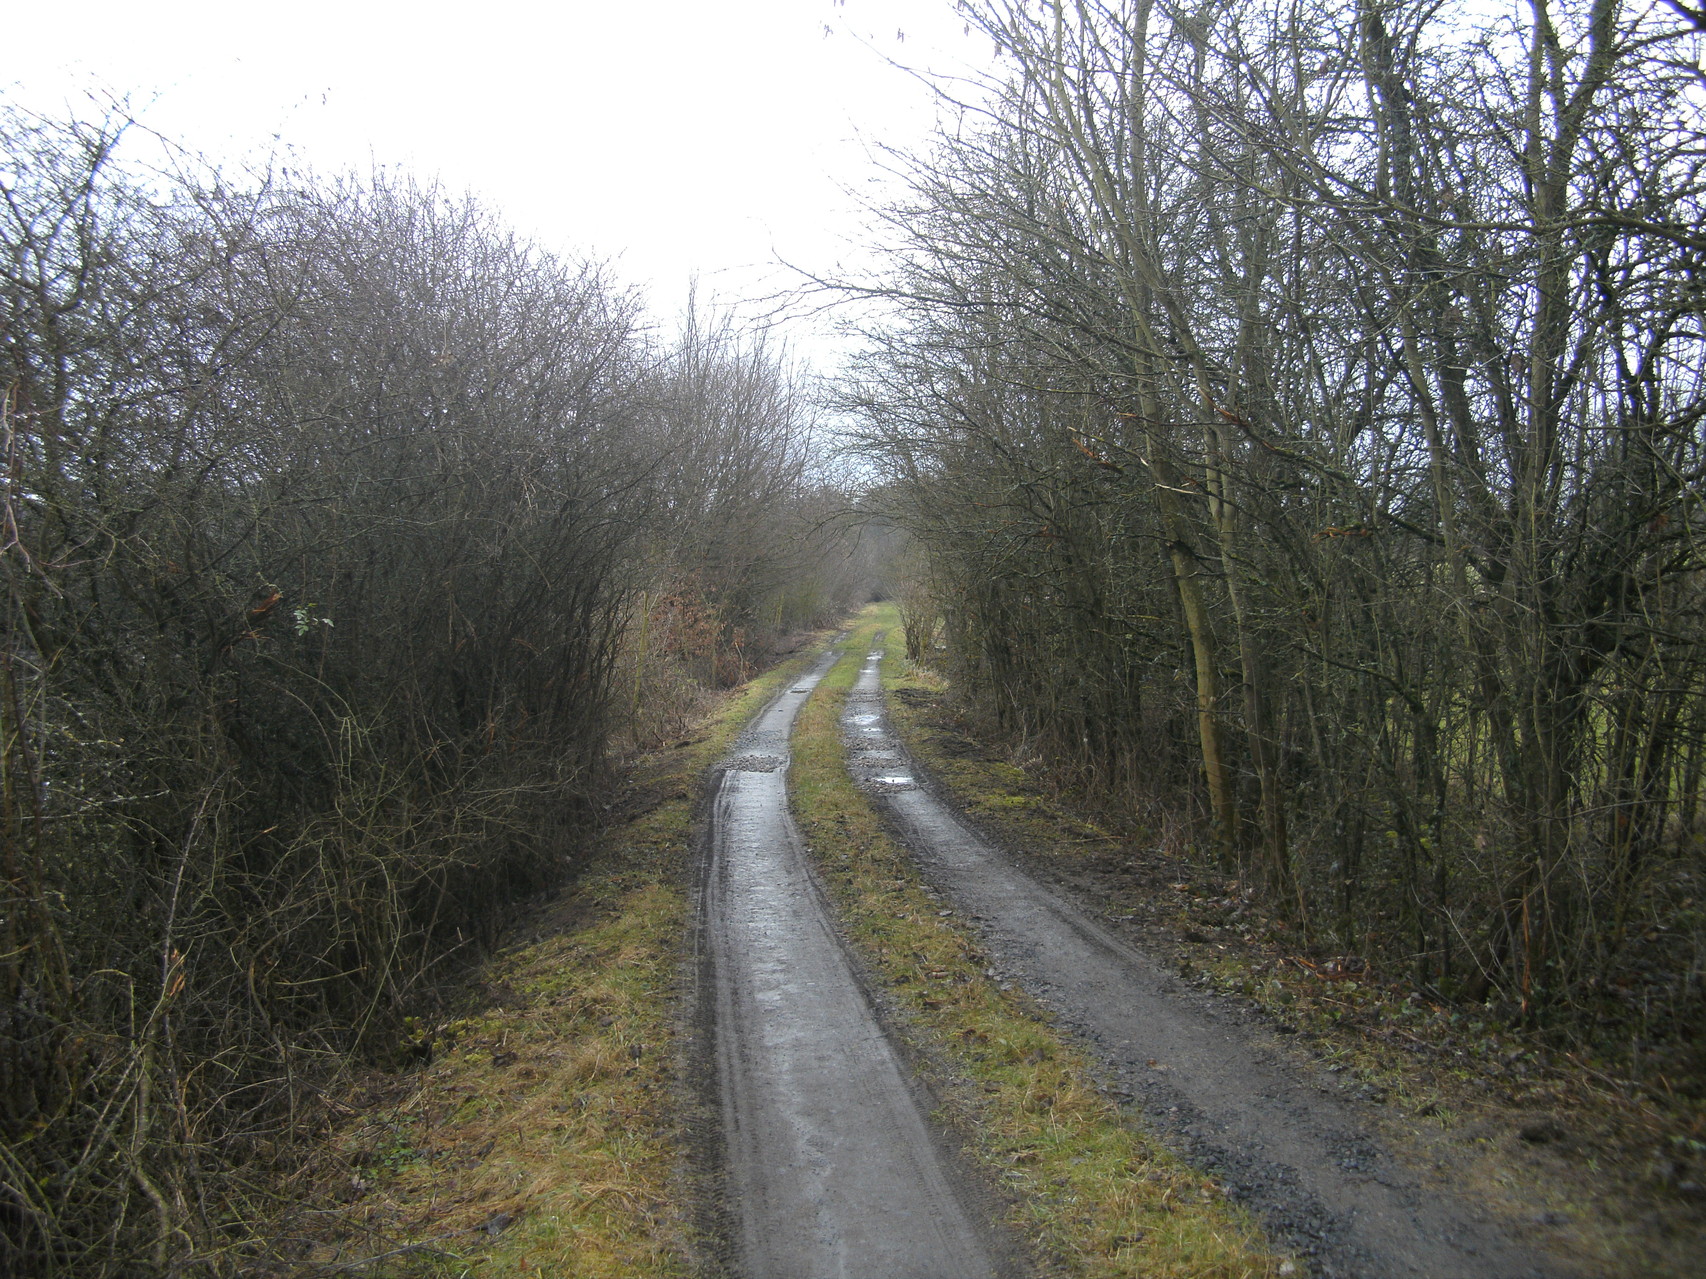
point(1277, 1132)
point(831, 1166)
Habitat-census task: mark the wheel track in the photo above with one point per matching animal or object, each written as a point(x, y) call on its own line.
point(831, 1167)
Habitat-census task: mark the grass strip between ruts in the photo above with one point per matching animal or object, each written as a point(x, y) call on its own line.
point(1088, 1188)
point(545, 1137)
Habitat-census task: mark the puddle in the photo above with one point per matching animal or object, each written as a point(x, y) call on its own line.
point(890, 784)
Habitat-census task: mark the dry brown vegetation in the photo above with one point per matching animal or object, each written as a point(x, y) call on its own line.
point(540, 1127)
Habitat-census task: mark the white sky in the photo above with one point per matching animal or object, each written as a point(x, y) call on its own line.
point(672, 136)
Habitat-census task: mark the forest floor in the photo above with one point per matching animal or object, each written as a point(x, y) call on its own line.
point(549, 1125)
point(1561, 1154)
point(1280, 1135)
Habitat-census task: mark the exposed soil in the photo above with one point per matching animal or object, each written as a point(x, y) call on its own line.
point(832, 1166)
point(1292, 1140)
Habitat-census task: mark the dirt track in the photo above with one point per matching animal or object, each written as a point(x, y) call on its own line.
point(1276, 1132)
point(832, 1167)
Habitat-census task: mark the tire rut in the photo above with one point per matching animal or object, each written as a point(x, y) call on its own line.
point(1220, 1092)
point(831, 1168)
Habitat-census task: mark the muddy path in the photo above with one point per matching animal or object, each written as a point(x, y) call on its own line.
point(1277, 1132)
point(832, 1168)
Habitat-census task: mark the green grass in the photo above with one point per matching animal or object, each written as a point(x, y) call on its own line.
point(1089, 1189)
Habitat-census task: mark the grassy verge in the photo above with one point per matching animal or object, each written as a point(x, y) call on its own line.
point(1091, 1191)
point(544, 1136)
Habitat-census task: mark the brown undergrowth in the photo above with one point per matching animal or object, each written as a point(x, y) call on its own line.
point(1092, 1193)
point(1551, 1140)
point(537, 1131)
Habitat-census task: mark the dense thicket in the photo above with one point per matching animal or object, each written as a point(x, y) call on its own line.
point(1299, 409)
point(342, 532)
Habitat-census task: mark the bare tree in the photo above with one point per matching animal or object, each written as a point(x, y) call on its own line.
point(327, 509)
point(1392, 325)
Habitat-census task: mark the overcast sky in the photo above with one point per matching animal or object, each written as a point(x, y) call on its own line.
point(675, 136)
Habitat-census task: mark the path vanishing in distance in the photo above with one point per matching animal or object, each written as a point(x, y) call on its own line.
point(833, 1171)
